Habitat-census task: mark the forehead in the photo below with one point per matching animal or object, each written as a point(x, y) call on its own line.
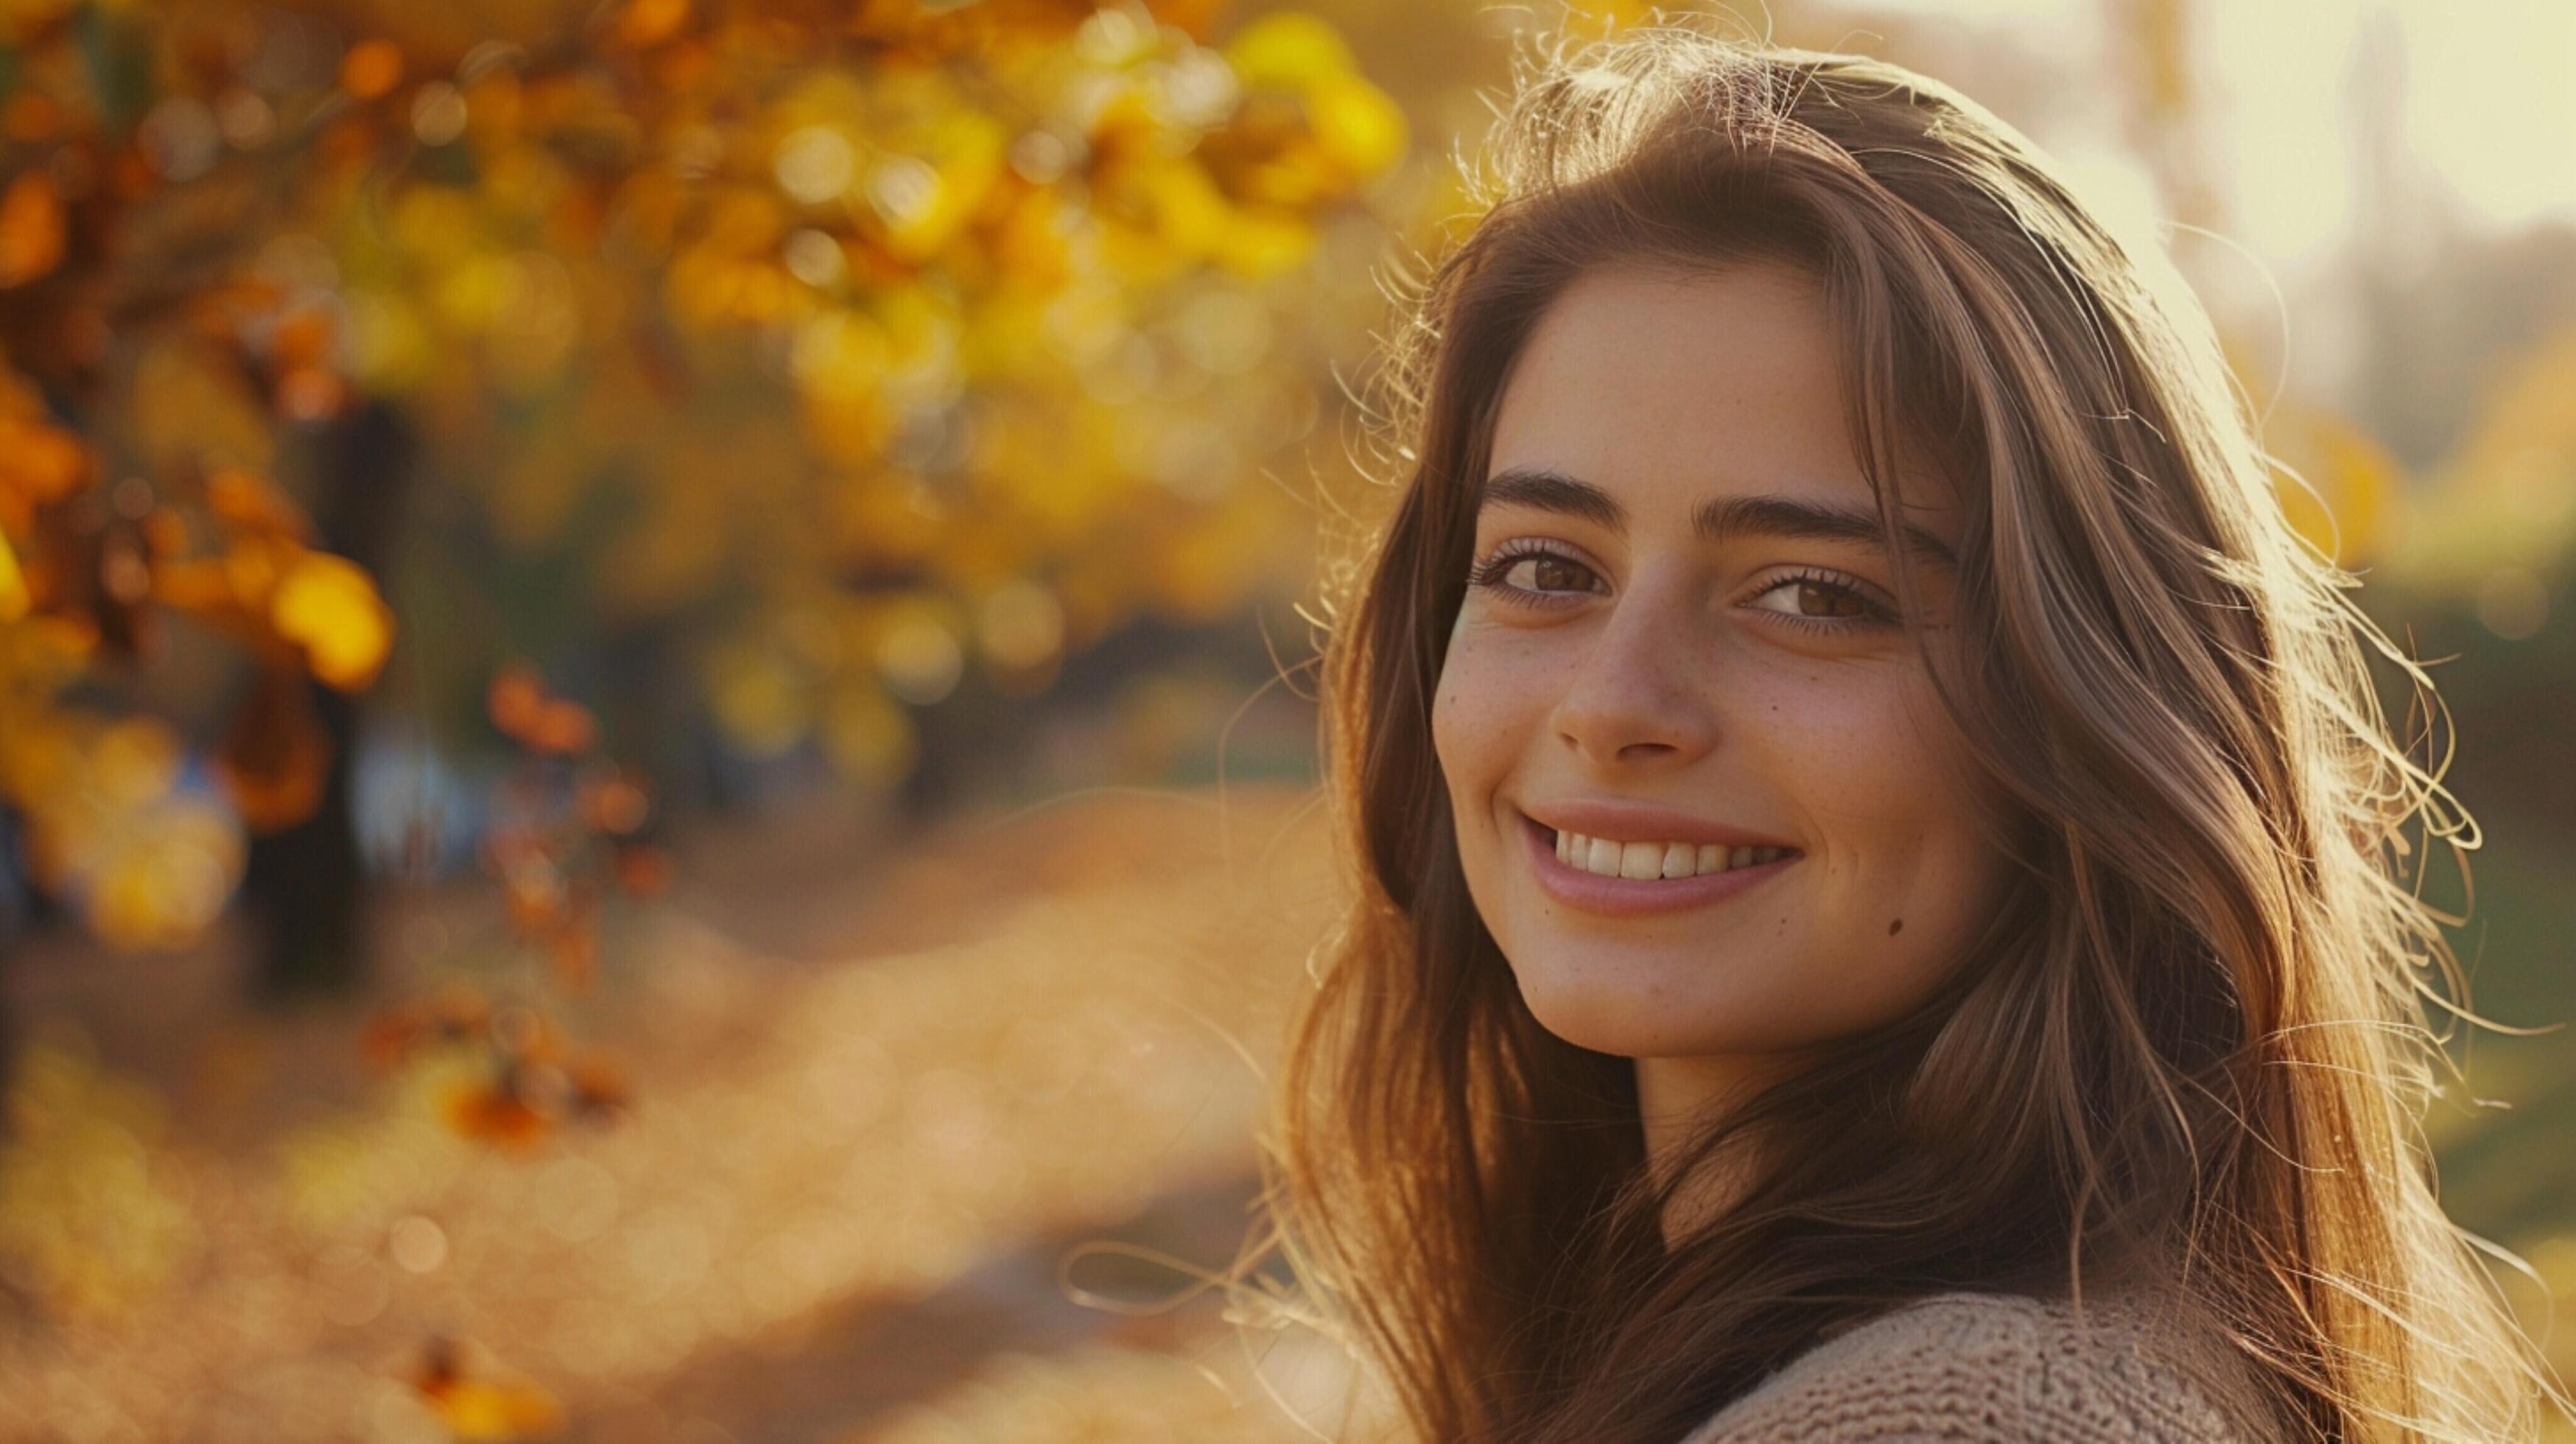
point(1667, 389)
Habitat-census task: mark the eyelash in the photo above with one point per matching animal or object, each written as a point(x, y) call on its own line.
point(1489, 575)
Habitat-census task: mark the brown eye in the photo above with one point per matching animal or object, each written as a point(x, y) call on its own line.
point(1533, 577)
point(1556, 574)
point(1819, 599)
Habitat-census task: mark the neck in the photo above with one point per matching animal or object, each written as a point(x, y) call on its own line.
point(1678, 1096)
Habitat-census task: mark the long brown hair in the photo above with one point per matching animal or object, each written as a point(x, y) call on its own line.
point(2194, 1049)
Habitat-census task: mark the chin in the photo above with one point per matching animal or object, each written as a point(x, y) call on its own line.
point(1604, 1015)
point(1657, 1006)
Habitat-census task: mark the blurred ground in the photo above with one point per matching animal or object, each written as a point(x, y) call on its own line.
point(881, 1091)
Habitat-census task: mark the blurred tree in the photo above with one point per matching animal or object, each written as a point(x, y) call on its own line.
point(305, 881)
point(1024, 275)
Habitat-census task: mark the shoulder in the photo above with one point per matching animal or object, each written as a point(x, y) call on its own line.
point(1996, 1367)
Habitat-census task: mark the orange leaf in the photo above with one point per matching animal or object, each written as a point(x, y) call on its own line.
point(479, 1408)
point(41, 463)
point(525, 713)
point(476, 1410)
point(165, 533)
point(303, 338)
point(31, 229)
point(494, 1113)
point(278, 755)
point(371, 68)
point(311, 393)
point(562, 727)
point(249, 501)
point(650, 22)
point(514, 699)
point(204, 589)
point(1193, 16)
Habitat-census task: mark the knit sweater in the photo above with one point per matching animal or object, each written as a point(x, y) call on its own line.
point(2003, 1369)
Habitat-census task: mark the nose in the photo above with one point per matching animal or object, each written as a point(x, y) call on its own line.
point(1638, 696)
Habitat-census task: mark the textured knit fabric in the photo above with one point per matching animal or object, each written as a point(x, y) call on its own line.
point(1999, 1368)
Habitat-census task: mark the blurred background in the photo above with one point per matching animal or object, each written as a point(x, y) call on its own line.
point(656, 717)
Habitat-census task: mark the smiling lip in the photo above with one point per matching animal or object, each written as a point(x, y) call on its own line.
point(1635, 821)
point(1630, 897)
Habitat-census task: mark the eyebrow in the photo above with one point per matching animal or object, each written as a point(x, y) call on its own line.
point(1714, 520)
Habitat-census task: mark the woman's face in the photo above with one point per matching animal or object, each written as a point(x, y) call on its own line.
point(1680, 645)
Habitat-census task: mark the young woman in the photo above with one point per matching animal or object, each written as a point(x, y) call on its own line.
point(1879, 910)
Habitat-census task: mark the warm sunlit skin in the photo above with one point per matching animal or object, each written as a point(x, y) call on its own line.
point(1733, 681)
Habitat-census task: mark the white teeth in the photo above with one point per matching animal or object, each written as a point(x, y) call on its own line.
point(1597, 854)
point(1640, 861)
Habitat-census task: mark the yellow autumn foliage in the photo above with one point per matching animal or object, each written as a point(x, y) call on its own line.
point(328, 605)
point(706, 300)
point(14, 597)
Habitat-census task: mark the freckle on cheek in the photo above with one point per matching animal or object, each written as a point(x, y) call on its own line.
point(1895, 926)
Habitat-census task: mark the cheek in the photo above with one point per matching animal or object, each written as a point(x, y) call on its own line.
point(1476, 714)
point(1863, 757)
point(1889, 785)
